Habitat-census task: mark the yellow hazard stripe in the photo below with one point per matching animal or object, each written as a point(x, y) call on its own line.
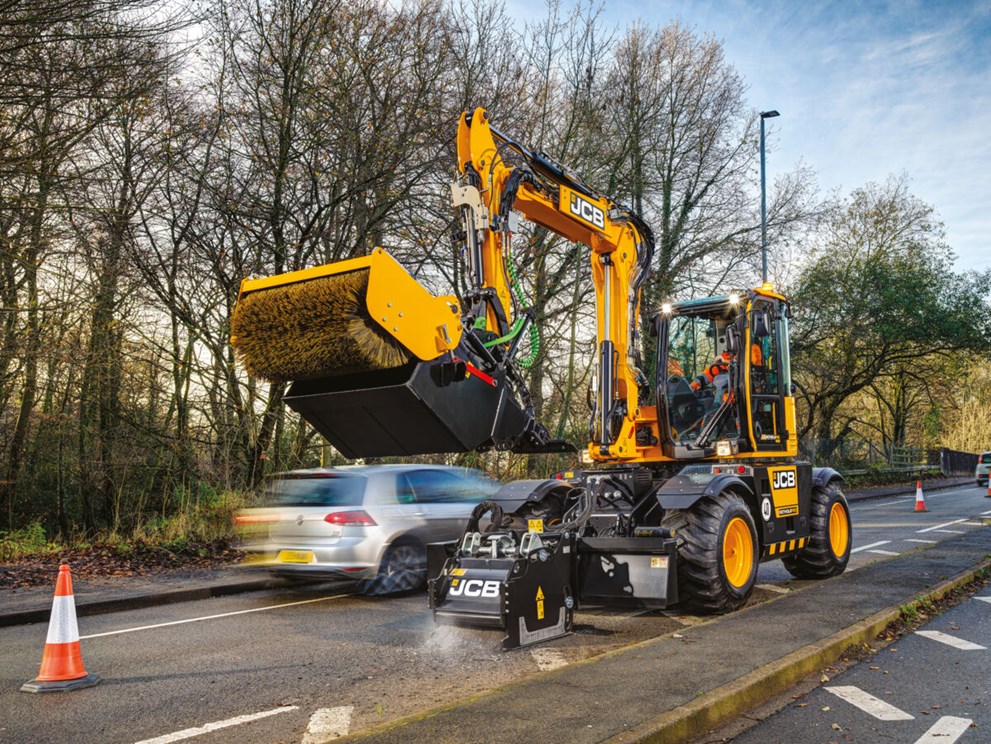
point(786, 546)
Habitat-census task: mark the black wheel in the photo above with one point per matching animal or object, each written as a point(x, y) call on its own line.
point(828, 550)
point(403, 569)
point(717, 553)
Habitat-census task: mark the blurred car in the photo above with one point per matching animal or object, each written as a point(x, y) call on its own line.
point(365, 523)
point(983, 468)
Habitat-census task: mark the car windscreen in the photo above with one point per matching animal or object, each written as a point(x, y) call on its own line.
point(986, 458)
point(337, 490)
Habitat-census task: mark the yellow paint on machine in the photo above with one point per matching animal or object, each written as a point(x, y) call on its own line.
point(786, 546)
point(540, 603)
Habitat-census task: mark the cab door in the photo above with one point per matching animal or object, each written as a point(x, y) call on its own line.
point(765, 378)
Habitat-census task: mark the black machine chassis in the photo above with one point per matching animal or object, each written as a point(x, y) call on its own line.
point(681, 486)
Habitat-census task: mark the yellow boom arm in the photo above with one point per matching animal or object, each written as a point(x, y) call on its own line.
point(548, 195)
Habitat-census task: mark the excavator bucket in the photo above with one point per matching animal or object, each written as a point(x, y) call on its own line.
point(378, 365)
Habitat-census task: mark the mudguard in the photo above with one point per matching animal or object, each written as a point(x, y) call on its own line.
point(824, 476)
point(684, 489)
point(513, 495)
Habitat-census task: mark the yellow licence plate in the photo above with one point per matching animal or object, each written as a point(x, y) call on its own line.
point(295, 556)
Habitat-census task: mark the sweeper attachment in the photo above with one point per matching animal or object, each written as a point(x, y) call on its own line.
point(378, 365)
point(530, 556)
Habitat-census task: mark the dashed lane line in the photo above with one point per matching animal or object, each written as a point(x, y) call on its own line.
point(951, 532)
point(869, 704)
point(896, 501)
point(548, 658)
point(946, 730)
point(941, 526)
point(214, 617)
point(949, 640)
point(884, 552)
point(928, 542)
point(984, 599)
point(327, 724)
point(870, 545)
point(208, 727)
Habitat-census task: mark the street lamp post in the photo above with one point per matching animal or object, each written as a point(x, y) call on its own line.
point(763, 197)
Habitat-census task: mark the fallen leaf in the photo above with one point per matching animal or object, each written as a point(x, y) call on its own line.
point(836, 727)
point(824, 708)
point(875, 667)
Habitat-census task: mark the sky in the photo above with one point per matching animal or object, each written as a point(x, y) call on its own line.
point(865, 89)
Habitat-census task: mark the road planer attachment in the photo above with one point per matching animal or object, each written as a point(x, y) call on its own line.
point(530, 556)
point(378, 365)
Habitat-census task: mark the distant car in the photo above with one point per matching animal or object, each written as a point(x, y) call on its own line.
point(983, 468)
point(364, 523)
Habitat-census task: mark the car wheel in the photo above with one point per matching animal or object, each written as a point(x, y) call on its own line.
point(403, 569)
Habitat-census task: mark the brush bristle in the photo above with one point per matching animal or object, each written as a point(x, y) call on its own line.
point(312, 329)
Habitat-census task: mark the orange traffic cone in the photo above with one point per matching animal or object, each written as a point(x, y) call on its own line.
point(62, 662)
point(920, 502)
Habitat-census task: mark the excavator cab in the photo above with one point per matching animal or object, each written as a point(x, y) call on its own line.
point(725, 376)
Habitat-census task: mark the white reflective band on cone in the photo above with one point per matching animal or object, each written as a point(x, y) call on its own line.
point(63, 627)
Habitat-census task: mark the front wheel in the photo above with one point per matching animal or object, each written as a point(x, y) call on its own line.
point(403, 569)
point(717, 553)
point(828, 551)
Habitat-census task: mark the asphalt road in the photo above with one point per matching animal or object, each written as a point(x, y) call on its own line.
point(933, 685)
point(323, 661)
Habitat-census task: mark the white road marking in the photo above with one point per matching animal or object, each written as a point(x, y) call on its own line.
point(984, 514)
point(214, 617)
point(929, 542)
point(946, 730)
point(950, 640)
point(984, 599)
point(951, 532)
point(773, 588)
point(327, 724)
point(871, 545)
point(548, 658)
point(870, 704)
point(207, 728)
point(896, 501)
point(971, 524)
point(941, 526)
point(884, 552)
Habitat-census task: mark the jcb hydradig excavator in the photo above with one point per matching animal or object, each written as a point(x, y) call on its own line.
point(693, 478)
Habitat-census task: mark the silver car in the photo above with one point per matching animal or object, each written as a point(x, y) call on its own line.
point(983, 468)
point(365, 523)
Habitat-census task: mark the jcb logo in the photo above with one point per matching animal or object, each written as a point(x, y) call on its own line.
point(474, 588)
point(783, 479)
point(587, 211)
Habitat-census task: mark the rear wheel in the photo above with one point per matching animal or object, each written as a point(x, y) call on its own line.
point(717, 553)
point(828, 550)
point(403, 569)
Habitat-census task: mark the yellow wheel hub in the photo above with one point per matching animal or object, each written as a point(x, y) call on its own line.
point(738, 552)
point(839, 529)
